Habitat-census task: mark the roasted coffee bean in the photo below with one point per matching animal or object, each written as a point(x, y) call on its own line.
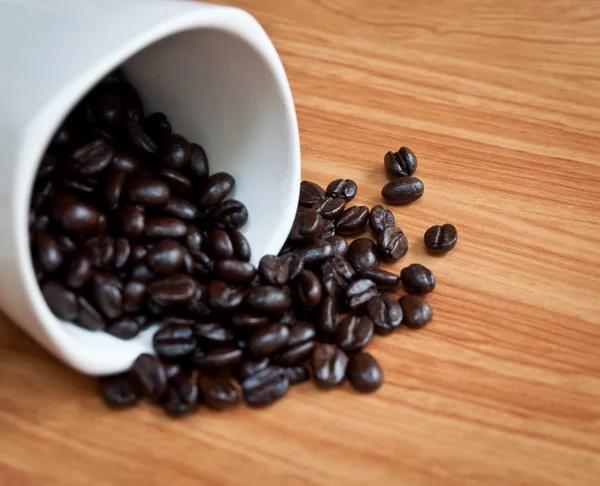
point(113, 188)
point(329, 365)
point(299, 345)
point(247, 320)
point(106, 107)
point(75, 217)
point(308, 225)
point(176, 151)
point(118, 391)
point(295, 264)
point(364, 373)
point(157, 125)
point(241, 247)
point(267, 340)
point(165, 257)
point(250, 367)
point(133, 296)
point(91, 158)
point(194, 240)
point(273, 270)
point(175, 289)
point(125, 162)
point(217, 392)
point(124, 328)
point(66, 243)
point(79, 271)
point(203, 265)
point(213, 334)
point(269, 299)
point(148, 191)
point(327, 318)
point(181, 396)
point(215, 189)
point(310, 193)
point(354, 333)
point(338, 269)
point(416, 310)
point(417, 279)
point(403, 190)
point(79, 186)
point(106, 294)
point(188, 263)
point(235, 271)
point(198, 306)
point(330, 208)
point(342, 188)
point(179, 321)
point(198, 161)
point(352, 221)
point(392, 244)
point(131, 220)
point(62, 301)
point(309, 289)
point(49, 252)
point(139, 137)
point(441, 239)
point(47, 167)
point(362, 253)
point(328, 229)
point(42, 193)
point(219, 244)
point(265, 387)
point(174, 341)
point(228, 214)
point(100, 250)
point(339, 245)
point(224, 297)
point(380, 218)
point(217, 359)
point(315, 252)
point(360, 292)
point(176, 180)
point(164, 227)
point(400, 164)
point(385, 312)
point(181, 208)
point(383, 279)
point(89, 318)
point(141, 272)
point(150, 375)
point(121, 253)
point(297, 374)
point(130, 101)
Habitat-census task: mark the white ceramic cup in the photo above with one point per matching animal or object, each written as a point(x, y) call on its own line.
point(211, 69)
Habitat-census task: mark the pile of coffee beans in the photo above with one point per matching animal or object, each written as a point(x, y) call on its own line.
point(129, 229)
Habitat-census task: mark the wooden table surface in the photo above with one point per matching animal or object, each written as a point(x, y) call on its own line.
point(500, 100)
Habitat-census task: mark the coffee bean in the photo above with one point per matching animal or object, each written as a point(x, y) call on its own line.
point(362, 253)
point(219, 244)
point(75, 217)
point(400, 164)
point(328, 229)
point(392, 244)
point(131, 220)
point(157, 125)
point(385, 312)
point(224, 297)
point(295, 264)
point(106, 294)
point(164, 227)
point(339, 270)
point(100, 250)
point(139, 137)
point(342, 188)
point(360, 292)
point(130, 101)
point(181, 396)
point(403, 190)
point(124, 328)
point(118, 391)
point(329, 365)
point(265, 387)
point(133, 296)
point(150, 374)
point(235, 271)
point(217, 359)
point(175, 289)
point(203, 265)
point(417, 279)
point(308, 225)
point(62, 301)
point(215, 189)
point(247, 320)
point(297, 374)
point(47, 167)
point(380, 218)
point(198, 305)
point(440, 239)
point(299, 345)
point(176, 151)
point(417, 312)
point(78, 272)
point(310, 193)
point(354, 333)
point(181, 208)
point(315, 252)
point(364, 373)
point(269, 299)
point(125, 162)
point(339, 245)
point(176, 181)
point(213, 334)
point(241, 247)
point(91, 158)
point(49, 252)
point(194, 240)
point(106, 107)
point(148, 191)
point(122, 251)
point(115, 182)
point(273, 270)
point(330, 208)
point(89, 318)
point(198, 161)
point(42, 193)
point(352, 221)
point(165, 257)
point(250, 367)
point(228, 214)
point(174, 341)
point(327, 318)
point(308, 287)
point(267, 340)
point(217, 392)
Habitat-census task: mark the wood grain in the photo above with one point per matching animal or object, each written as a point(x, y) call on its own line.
point(500, 100)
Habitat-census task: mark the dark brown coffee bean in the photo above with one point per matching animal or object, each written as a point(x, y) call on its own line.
point(400, 164)
point(181, 396)
point(380, 218)
point(330, 208)
point(198, 306)
point(79, 186)
point(175, 289)
point(403, 190)
point(235, 271)
point(121, 253)
point(328, 229)
point(118, 391)
point(219, 244)
point(157, 125)
point(297, 374)
point(47, 167)
point(176, 151)
point(352, 221)
point(165, 257)
point(339, 245)
point(354, 333)
point(241, 247)
point(49, 252)
point(203, 265)
point(100, 251)
point(106, 107)
point(362, 253)
point(269, 299)
point(250, 367)
point(91, 158)
point(267, 340)
point(230, 214)
point(125, 162)
point(164, 227)
point(360, 292)
point(265, 387)
point(131, 220)
point(124, 328)
point(327, 318)
point(176, 181)
point(133, 296)
point(417, 312)
point(342, 188)
point(299, 346)
point(309, 289)
point(392, 244)
point(217, 359)
point(441, 239)
point(75, 217)
point(295, 264)
point(66, 243)
point(106, 294)
point(150, 375)
point(364, 373)
point(385, 312)
point(62, 301)
point(89, 318)
point(113, 188)
point(329, 365)
point(417, 279)
point(273, 270)
point(42, 193)
point(213, 334)
point(78, 272)
point(383, 279)
point(315, 252)
point(224, 297)
point(174, 341)
point(339, 270)
point(181, 208)
point(139, 137)
point(194, 240)
point(198, 161)
point(148, 191)
point(215, 189)
point(307, 226)
point(310, 193)
point(247, 320)
point(218, 392)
